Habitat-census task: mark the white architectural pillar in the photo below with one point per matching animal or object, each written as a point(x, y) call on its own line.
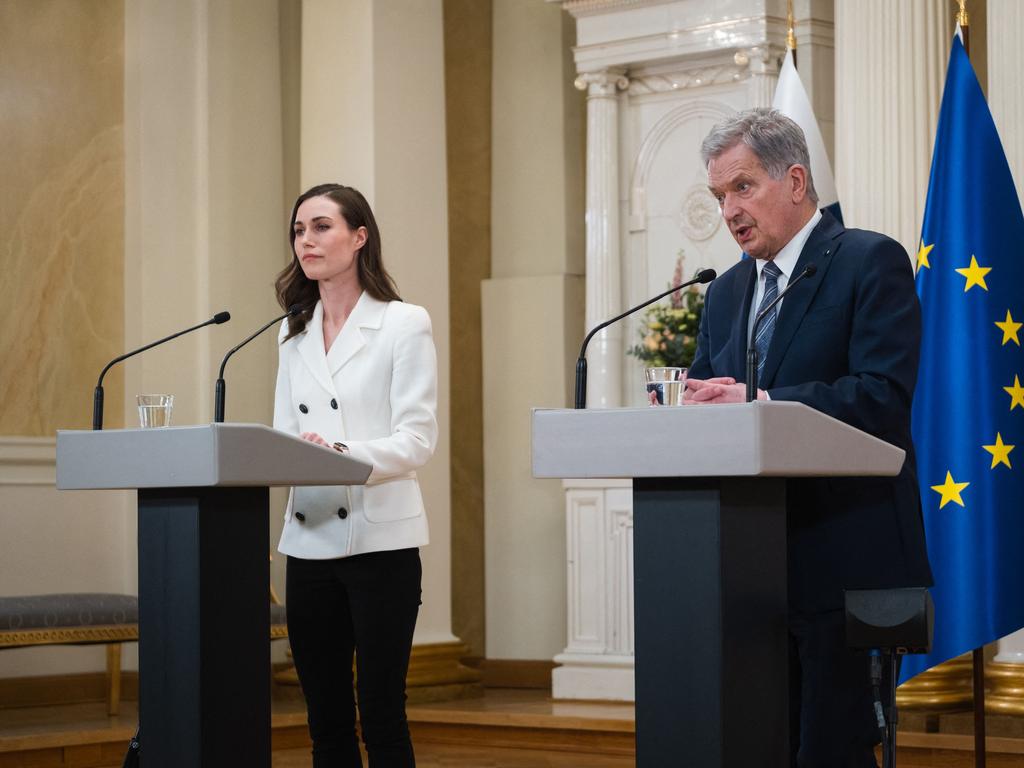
point(890, 68)
point(604, 295)
point(532, 319)
point(379, 127)
point(1005, 96)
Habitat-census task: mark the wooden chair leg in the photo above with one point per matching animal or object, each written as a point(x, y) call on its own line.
point(114, 678)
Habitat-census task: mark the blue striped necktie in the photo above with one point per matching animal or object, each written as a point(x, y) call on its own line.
point(767, 328)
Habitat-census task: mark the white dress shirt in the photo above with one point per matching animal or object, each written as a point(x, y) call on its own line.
point(786, 262)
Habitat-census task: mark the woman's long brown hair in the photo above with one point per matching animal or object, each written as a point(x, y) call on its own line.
point(292, 285)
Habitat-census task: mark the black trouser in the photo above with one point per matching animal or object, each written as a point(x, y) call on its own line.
point(831, 715)
point(367, 604)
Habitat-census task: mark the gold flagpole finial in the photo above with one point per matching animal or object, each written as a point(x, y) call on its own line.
point(961, 15)
point(790, 36)
point(961, 20)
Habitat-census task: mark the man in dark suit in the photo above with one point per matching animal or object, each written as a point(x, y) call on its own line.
point(844, 342)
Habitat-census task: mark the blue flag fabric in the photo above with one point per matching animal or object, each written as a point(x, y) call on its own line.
point(968, 414)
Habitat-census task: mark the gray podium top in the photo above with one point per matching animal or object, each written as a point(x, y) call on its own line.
point(759, 439)
point(198, 456)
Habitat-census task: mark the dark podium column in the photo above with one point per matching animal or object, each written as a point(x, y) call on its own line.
point(204, 627)
point(709, 566)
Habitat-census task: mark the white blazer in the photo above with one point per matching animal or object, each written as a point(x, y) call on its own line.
point(376, 391)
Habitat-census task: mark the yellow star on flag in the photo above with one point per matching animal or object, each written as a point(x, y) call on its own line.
point(1016, 393)
point(975, 275)
point(1009, 329)
point(922, 255)
point(1000, 452)
point(950, 491)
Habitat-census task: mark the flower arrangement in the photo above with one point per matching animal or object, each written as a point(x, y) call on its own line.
point(668, 336)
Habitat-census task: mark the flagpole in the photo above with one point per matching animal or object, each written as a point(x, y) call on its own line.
point(790, 35)
point(978, 654)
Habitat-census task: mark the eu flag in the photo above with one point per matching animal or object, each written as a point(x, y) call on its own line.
point(968, 414)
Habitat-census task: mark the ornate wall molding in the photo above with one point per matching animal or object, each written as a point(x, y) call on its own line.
point(28, 460)
point(641, 85)
point(699, 216)
point(692, 110)
point(597, 662)
point(580, 8)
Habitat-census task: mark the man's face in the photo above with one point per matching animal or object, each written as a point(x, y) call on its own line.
point(762, 213)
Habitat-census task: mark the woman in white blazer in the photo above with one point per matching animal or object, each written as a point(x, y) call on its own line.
point(358, 374)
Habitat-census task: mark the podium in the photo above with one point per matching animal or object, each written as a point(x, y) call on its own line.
point(204, 574)
point(709, 559)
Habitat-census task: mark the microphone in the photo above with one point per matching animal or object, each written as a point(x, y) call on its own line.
point(809, 271)
point(97, 396)
point(218, 393)
point(703, 277)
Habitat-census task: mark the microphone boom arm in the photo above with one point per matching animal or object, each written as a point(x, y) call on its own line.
point(220, 387)
point(705, 276)
point(97, 397)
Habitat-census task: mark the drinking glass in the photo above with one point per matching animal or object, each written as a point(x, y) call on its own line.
point(665, 386)
point(155, 410)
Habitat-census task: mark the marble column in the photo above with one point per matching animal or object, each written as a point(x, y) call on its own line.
point(1005, 58)
point(890, 68)
point(604, 294)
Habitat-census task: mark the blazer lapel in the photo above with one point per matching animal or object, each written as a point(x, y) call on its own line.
point(311, 348)
point(818, 250)
point(367, 313)
point(743, 295)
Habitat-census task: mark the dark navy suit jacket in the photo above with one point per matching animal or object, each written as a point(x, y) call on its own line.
point(846, 343)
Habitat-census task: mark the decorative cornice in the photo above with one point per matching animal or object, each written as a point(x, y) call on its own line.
point(640, 85)
point(28, 460)
point(578, 8)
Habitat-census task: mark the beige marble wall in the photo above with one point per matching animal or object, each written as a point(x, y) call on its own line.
point(61, 210)
point(62, 293)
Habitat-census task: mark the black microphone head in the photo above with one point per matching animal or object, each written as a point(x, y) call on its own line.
point(221, 317)
point(706, 276)
point(810, 269)
point(294, 309)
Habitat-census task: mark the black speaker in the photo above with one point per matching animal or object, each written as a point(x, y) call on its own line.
point(900, 620)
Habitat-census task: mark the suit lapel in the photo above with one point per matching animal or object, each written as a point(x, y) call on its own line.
point(311, 349)
point(818, 250)
point(367, 313)
point(743, 295)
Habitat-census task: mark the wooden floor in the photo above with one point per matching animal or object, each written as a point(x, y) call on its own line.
point(504, 729)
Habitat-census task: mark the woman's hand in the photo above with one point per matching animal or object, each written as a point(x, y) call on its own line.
point(313, 437)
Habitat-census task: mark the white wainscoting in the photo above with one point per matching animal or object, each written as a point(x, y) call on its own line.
point(597, 663)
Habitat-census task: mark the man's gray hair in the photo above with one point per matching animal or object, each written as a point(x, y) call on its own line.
point(775, 140)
